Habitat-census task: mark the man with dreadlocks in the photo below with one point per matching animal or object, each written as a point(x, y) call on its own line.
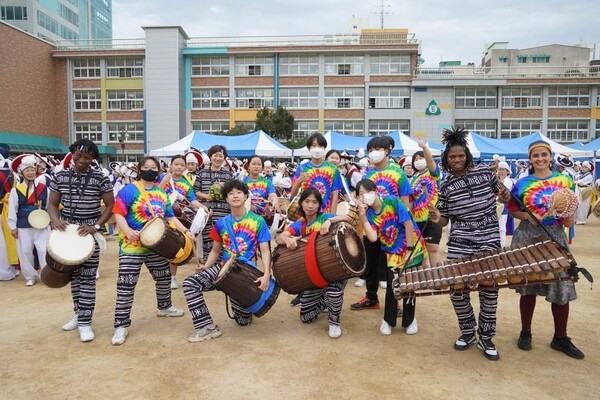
point(467, 199)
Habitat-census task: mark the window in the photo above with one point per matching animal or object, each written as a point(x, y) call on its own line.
point(303, 129)
point(503, 59)
point(354, 128)
point(210, 66)
point(253, 98)
point(69, 15)
point(211, 126)
point(299, 98)
point(299, 65)
point(125, 100)
point(87, 100)
point(522, 59)
point(129, 132)
point(344, 65)
point(389, 97)
point(344, 97)
point(254, 66)
point(568, 130)
point(13, 13)
point(597, 133)
point(517, 129)
point(89, 130)
point(86, 68)
point(383, 127)
point(210, 98)
point(124, 67)
point(521, 97)
point(543, 59)
point(484, 127)
point(476, 97)
point(53, 26)
point(386, 64)
point(569, 96)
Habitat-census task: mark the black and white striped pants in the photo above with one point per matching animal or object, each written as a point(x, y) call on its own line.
point(488, 303)
point(83, 288)
point(314, 301)
point(129, 273)
point(204, 281)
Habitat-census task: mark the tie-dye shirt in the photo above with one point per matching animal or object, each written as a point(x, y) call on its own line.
point(390, 181)
point(300, 228)
point(535, 194)
point(389, 225)
point(130, 203)
point(248, 233)
point(425, 187)
point(325, 178)
point(183, 187)
point(260, 190)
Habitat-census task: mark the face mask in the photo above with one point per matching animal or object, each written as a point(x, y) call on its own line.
point(149, 175)
point(317, 152)
point(369, 198)
point(376, 156)
point(420, 165)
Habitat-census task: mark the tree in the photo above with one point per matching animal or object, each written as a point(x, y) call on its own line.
point(237, 130)
point(279, 124)
point(263, 120)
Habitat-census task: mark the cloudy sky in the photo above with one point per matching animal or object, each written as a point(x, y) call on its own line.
point(448, 30)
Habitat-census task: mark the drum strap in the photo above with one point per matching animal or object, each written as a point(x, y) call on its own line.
point(142, 190)
point(310, 259)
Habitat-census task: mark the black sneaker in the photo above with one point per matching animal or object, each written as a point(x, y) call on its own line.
point(464, 342)
point(524, 342)
point(489, 349)
point(365, 304)
point(565, 345)
point(295, 301)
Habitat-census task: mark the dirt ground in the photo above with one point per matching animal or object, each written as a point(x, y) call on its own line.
point(278, 357)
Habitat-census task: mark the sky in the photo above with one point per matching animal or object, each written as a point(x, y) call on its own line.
point(448, 30)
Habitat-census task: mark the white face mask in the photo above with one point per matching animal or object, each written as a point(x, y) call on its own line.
point(317, 152)
point(369, 198)
point(421, 164)
point(376, 156)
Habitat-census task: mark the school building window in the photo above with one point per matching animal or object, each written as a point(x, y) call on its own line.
point(354, 128)
point(210, 98)
point(13, 13)
point(89, 130)
point(388, 64)
point(299, 97)
point(86, 100)
point(254, 66)
point(389, 97)
point(344, 64)
point(129, 132)
point(86, 68)
point(253, 98)
point(515, 129)
point(344, 97)
point(569, 96)
point(383, 127)
point(124, 67)
point(125, 100)
point(476, 97)
point(303, 129)
point(211, 126)
point(299, 65)
point(522, 97)
point(568, 130)
point(484, 127)
point(210, 66)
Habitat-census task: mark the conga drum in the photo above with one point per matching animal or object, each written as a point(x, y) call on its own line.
point(349, 210)
point(65, 251)
point(38, 218)
point(236, 280)
point(165, 240)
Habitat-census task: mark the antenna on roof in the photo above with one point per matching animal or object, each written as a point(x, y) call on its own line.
point(384, 9)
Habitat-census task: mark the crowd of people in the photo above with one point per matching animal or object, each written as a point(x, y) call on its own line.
point(401, 204)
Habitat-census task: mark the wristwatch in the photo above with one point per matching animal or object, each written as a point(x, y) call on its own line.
point(97, 227)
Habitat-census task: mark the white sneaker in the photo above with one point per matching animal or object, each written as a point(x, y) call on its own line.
point(86, 334)
point(174, 284)
point(383, 284)
point(385, 328)
point(203, 334)
point(170, 312)
point(71, 325)
point(360, 282)
point(413, 328)
point(119, 336)
point(335, 331)
point(30, 282)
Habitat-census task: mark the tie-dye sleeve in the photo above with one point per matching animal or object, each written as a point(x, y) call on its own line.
point(401, 211)
point(270, 187)
point(295, 229)
point(337, 181)
point(263, 235)
point(122, 202)
point(404, 186)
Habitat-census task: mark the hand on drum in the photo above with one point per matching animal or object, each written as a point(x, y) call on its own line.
point(325, 227)
point(133, 235)
point(504, 194)
point(263, 282)
point(84, 230)
point(291, 242)
point(59, 225)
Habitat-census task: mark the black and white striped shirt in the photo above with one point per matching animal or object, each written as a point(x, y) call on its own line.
point(469, 203)
point(80, 201)
point(205, 179)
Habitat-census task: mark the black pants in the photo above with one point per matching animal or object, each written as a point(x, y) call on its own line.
point(376, 267)
point(390, 312)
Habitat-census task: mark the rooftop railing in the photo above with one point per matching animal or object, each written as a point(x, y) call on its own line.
point(101, 44)
point(470, 72)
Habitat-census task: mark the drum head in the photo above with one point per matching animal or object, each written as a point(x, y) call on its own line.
point(173, 197)
point(38, 219)
point(199, 221)
point(350, 246)
point(153, 232)
point(68, 247)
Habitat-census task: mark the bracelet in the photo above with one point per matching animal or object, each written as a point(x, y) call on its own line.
point(411, 248)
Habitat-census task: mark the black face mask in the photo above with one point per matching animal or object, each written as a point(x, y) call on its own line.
point(149, 175)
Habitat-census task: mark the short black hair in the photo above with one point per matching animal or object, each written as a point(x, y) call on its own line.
point(262, 162)
point(217, 148)
point(417, 154)
point(321, 141)
point(368, 184)
point(381, 142)
point(146, 158)
point(177, 156)
point(304, 196)
point(234, 184)
point(330, 152)
point(85, 146)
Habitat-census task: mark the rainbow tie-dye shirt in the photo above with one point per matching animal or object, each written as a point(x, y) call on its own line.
point(425, 188)
point(130, 203)
point(300, 228)
point(260, 190)
point(241, 237)
point(389, 225)
point(183, 187)
point(390, 181)
point(535, 194)
point(325, 178)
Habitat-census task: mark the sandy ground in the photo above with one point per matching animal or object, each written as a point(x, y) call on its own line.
point(278, 357)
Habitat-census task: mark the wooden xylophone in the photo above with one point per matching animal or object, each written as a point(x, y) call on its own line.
point(539, 260)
